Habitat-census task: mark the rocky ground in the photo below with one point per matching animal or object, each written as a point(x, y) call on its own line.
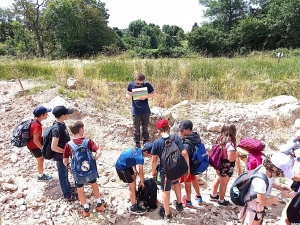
point(23, 200)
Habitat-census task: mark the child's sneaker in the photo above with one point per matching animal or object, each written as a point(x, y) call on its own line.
point(167, 218)
point(213, 198)
point(224, 203)
point(199, 200)
point(187, 204)
point(44, 177)
point(178, 206)
point(136, 209)
point(100, 206)
point(86, 212)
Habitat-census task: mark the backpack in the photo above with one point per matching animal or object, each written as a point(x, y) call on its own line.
point(148, 195)
point(173, 163)
point(21, 134)
point(47, 152)
point(251, 145)
point(293, 210)
point(254, 160)
point(241, 186)
point(198, 159)
point(215, 156)
point(83, 164)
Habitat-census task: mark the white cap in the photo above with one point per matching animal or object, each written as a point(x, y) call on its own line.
point(285, 163)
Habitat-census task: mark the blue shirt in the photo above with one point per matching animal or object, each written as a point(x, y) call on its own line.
point(129, 158)
point(158, 146)
point(140, 107)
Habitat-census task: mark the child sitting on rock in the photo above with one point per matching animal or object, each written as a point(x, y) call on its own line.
point(70, 149)
point(126, 169)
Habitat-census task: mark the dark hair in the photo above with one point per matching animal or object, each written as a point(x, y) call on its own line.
point(228, 133)
point(272, 168)
point(164, 129)
point(139, 76)
point(75, 127)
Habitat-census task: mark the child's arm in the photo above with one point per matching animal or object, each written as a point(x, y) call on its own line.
point(98, 154)
point(36, 141)
point(238, 164)
point(54, 145)
point(66, 161)
point(153, 164)
point(141, 175)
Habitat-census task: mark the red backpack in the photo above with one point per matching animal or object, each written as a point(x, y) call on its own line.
point(255, 148)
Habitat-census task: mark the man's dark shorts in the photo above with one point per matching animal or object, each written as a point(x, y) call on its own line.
point(37, 153)
point(81, 185)
point(126, 175)
point(168, 182)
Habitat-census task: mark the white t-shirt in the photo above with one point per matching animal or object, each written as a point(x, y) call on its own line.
point(229, 147)
point(258, 185)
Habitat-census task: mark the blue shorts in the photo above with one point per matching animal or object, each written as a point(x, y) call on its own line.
point(168, 182)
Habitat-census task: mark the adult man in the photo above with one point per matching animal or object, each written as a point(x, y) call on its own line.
point(140, 106)
point(157, 149)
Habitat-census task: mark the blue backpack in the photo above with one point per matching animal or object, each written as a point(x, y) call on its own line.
point(83, 165)
point(198, 159)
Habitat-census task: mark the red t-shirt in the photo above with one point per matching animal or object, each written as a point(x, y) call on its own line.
point(68, 150)
point(35, 128)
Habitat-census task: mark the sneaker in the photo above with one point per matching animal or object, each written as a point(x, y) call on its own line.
point(73, 197)
point(136, 209)
point(187, 204)
point(100, 206)
point(224, 203)
point(178, 207)
point(199, 200)
point(162, 212)
point(44, 177)
point(212, 198)
point(167, 218)
point(86, 212)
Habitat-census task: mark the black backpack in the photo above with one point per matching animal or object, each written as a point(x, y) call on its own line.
point(47, 152)
point(21, 134)
point(293, 210)
point(173, 163)
point(241, 185)
point(148, 195)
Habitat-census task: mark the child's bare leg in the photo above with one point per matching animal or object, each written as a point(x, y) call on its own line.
point(132, 190)
point(188, 190)
point(96, 190)
point(81, 195)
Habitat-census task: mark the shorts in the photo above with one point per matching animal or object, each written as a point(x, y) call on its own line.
point(169, 183)
point(227, 167)
point(126, 175)
point(81, 185)
point(37, 153)
point(189, 179)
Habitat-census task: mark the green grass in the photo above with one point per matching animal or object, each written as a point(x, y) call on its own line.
point(243, 79)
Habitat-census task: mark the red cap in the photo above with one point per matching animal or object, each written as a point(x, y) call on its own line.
point(162, 124)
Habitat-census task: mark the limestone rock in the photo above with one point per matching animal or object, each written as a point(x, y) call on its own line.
point(214, 127)
point(71, 83)
point(9, 187)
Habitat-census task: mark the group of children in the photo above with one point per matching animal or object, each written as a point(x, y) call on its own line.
point(130, 163)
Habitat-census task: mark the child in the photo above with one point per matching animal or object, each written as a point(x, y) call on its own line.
point(60, 138)
point(77, 129)
point(126, 169)
point(227, 140)
point(186, 130)
point(158, 146)
point(35, 144)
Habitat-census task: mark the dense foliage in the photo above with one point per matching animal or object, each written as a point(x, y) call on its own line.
point(79, 28)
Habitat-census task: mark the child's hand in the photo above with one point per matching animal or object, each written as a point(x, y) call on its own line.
point(142, 185)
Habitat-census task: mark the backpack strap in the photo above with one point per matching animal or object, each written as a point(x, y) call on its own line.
point(85, 143)
point(73, 145)
point(187, 141)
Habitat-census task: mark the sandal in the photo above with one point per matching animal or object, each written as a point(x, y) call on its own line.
point(72, 198)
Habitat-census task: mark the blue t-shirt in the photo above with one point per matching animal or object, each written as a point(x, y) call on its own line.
point(129, 158)
point(140, 107)
point(158, 146)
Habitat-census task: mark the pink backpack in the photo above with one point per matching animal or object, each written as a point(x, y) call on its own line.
point(215, 156)
point(254, 160)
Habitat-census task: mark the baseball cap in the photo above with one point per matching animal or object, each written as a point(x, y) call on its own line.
point(40, 110)
point(283, 162)
point(162, 124)
point(147, 147)
point(185, 124)
point(61, 110)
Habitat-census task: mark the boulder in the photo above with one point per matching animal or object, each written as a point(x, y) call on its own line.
point(214, 127)
point(278, 101)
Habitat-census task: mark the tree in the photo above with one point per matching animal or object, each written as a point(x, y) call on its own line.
point(31, 14)
point(135, 28)
point(195, 26)
point(80, 26)
point(225, 12)
point(6, 28)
